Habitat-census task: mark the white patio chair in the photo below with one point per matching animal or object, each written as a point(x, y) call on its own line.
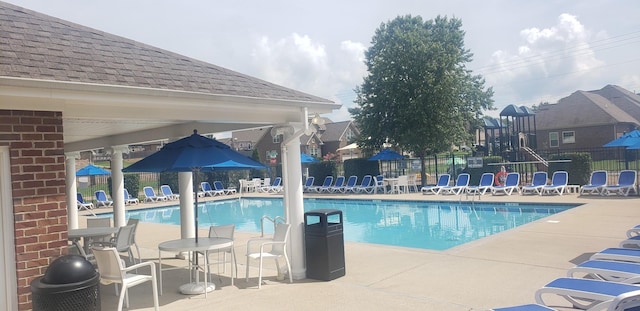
point(275, 247)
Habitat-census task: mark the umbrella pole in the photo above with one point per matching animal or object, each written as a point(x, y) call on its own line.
point(195, 186)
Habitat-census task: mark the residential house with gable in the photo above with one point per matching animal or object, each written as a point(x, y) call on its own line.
point(587, 119)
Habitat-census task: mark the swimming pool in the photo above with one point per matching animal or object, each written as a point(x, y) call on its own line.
point(416, 224)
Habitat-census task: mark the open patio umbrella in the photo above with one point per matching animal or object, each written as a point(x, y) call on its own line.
point(92, 170)
point(193, 154)
point(305, 158)
point(626, 140)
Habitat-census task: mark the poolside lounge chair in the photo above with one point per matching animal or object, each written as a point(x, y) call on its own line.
point(101, 198)
point(443, 181)
point(607, 270)
point(338, 186)
point(366, 185)
point(559, 182)
point(352, 184)
point(217, 186)
point(624, 301)
point(326, 184)
point(597, 182)
point(462, 182)
point(273, 188)
point(308, 184)
point(205, 186)
point(511, 183)
point(167, 192)
point(538, 181)
point(585, 293)
point(626, 183)
point(618, 254)
point(150, 195)
point(128, 199)
point(82, 204)
point(485, 184)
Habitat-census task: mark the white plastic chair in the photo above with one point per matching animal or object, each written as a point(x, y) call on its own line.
point(275, 247)
point(123, 241)
point(225, 231)
point(112, 270)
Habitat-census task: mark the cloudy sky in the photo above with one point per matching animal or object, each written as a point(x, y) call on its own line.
point(528, 51)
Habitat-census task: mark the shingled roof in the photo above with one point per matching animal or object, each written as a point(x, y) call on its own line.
point(38, 46)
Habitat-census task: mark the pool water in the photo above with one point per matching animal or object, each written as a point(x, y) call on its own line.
point(415, 224)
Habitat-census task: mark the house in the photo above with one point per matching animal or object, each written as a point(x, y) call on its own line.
point(587, 119)
point(327, 138)
point(66, 89)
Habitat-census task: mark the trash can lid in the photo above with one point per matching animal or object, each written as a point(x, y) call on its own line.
point(324, 211)
point(69, 269)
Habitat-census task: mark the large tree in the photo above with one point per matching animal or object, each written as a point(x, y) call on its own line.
point(418, 94)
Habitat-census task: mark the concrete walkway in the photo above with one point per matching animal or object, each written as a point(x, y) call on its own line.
point(500, 270)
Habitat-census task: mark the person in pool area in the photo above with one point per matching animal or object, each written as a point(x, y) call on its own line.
point(501, 176)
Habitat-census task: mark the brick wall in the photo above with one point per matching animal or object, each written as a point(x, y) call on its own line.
point(38, 187)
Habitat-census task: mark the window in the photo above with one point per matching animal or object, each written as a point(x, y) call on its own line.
point(314, 151)
point(277, 139)
point(553, 139)
point(349, 135)
point(568, 137)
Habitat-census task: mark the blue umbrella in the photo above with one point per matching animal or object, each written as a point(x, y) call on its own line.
point(626, 140)
point(386, 155)
point(192, 154)
point(92, 170)
point(305, 158)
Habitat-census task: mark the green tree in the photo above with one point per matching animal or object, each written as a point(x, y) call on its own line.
point(418, 94)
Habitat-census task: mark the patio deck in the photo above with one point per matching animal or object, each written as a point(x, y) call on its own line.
point(499, 270)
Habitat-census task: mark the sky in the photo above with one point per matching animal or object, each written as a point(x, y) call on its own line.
point(528, 51)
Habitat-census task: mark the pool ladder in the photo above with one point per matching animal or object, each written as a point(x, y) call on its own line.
point(273, 220)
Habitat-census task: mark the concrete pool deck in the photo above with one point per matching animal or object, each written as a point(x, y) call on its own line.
point(500, 270)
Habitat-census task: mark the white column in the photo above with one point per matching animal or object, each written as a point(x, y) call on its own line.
point(187, 224)
point(117, 185)
point(293, 204)
point(72, 188)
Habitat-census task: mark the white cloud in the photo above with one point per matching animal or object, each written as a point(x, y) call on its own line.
point(299, 62)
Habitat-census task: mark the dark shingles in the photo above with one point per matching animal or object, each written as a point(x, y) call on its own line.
point(44, 47)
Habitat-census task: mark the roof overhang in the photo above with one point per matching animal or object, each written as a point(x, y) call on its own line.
point(99, 116)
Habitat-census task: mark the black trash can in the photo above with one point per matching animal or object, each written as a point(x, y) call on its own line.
point(70, 283)
point(324, 244)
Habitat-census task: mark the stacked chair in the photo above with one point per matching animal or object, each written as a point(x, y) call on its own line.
point(609, 280)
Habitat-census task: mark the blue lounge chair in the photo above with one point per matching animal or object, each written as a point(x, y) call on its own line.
point(607, 270)
point(585, 293)
point(101, 198)
point(443, 181)
point(217, 186)
point(352, 184)
point(597, 182)
point(275, 187)
point(559, 181)
point(625, 301)
point(339, 185)
point(366, 185)
point(308, 184)
point(462, 182)
point(150, 195)
point(167, 192)
point(128, 199)
point(82, 204)
point(626, 183)
point(485, 184)
point(326, 185)
point(380, 185)
point(538, 181)
point(511, 183)
point(205, 186)
point(618, 254)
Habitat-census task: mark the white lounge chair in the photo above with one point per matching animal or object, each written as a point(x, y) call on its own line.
point(485, 184)
point(326, 185)
point(128, 199)
point(150, 195)
point(308, 184)
point(538, 181)
point(511, 183)
point(626, 183)
point(217, 186)
point(443, 181)
point(559, 182)
point(585, 294)
point(597, 183)
point(352, 184)
point(167, 192)
point(206, 188)
point(82, 204)
point(607, 270)
point(624, 301)
point(338, 186)
point(462, 182)
point(618, 254)
point(366, 185)
point(102, 199)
